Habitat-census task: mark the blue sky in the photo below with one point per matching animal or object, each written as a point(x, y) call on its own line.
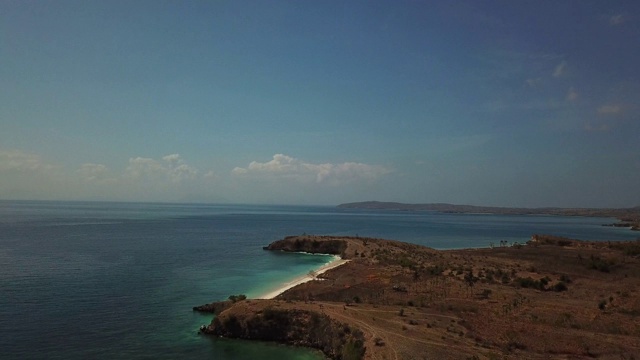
point(527, 103)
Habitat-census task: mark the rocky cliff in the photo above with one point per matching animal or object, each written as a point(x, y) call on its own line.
point(265, 320)
point(215, 307)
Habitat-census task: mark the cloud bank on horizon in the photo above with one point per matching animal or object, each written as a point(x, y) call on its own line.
point(484, 103)
point(283, 166)
point(144, 178)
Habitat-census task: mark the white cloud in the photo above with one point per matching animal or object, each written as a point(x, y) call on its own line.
point(287, 167)
point(529, 104)
point(610, 109)
point(92, 172)
point(572, 95)
point(172, 167)
point(140, 167)
point(617, 19)
point(596, 128)
point(22, 161)
point(533, 82)
point(611, 116)
point(560, 69)
point(27, 176)
point(173, 158)
point(183, 171)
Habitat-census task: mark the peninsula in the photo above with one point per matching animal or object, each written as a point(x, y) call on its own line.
point(552, 298)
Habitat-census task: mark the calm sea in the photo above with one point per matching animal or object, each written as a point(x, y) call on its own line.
point(118, 280)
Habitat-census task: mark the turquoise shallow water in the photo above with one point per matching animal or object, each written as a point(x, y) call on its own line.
point(113, 280)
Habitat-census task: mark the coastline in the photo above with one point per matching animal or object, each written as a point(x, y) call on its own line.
point(376, 306)
point(337, 261)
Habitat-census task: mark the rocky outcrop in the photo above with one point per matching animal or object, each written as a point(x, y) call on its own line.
point(620, 224)
point(290, 326)
point(631, 223)
point(354, 248)
point(310, 244)
point(214, 307)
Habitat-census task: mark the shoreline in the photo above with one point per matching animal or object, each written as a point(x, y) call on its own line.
point(338, 261)
point(393, 318)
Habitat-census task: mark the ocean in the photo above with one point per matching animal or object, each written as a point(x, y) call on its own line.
point(102, 280)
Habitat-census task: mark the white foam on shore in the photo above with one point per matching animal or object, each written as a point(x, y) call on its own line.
point(305, 278)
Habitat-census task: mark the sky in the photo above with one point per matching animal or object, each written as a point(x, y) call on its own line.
point(497, 103)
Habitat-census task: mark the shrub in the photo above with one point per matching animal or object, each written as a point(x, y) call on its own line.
point(602, 304)
point(597, 263)
point(236, 298)
point(485, 293)
point(561, 286)
point(435, 270)
point(528, 282)
point(353, 350)
point(544, 281)
point(565, 278)
point(489, 276)
point(505, 278)
point(541, 284)
point(632, 249)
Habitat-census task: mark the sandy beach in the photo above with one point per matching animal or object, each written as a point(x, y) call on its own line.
point(303, 279)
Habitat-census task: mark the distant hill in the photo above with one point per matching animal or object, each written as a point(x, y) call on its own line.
point(629, 216)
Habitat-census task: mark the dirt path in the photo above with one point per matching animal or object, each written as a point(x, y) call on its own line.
point(392, 331)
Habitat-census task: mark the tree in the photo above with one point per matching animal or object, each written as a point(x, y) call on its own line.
point(470, 280)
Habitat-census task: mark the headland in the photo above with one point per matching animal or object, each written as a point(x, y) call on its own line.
point(552, 298)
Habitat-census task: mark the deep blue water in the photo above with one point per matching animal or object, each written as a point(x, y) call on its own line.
point(118, 280)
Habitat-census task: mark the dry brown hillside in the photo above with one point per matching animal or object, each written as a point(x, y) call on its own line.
point(552, 298)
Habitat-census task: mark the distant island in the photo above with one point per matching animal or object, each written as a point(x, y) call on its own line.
point(551, 298)
point(629, 217)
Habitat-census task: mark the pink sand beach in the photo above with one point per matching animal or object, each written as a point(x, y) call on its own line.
point(303, 279)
